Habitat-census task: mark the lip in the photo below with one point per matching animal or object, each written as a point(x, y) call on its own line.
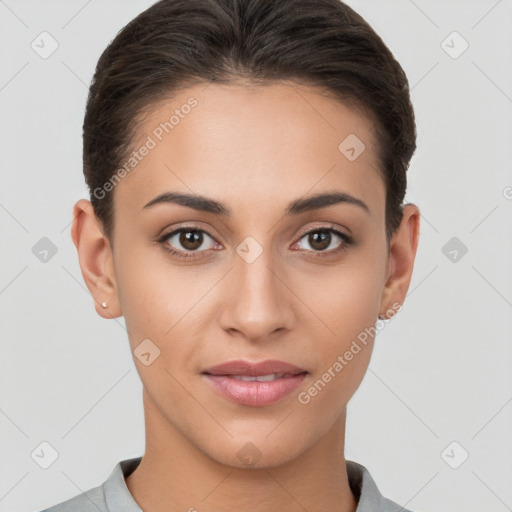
point(255, 393)
point(241, 367)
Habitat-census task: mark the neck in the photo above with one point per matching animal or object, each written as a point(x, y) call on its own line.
point(174, 475)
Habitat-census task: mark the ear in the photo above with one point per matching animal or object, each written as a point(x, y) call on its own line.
point(96, 259)
point(402, 253)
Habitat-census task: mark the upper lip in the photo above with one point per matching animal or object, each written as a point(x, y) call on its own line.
point(255, 369)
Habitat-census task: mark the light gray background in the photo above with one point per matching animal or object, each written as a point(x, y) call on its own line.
point(440, 371)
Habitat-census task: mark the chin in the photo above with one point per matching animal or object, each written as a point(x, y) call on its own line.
point(259, 451)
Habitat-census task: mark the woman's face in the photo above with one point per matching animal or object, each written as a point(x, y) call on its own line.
point(259, 282)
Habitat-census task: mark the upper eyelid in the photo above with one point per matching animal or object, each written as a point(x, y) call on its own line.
point(164, 236)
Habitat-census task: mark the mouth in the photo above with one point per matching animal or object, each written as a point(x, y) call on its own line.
point(255, 384)
point(261, 378)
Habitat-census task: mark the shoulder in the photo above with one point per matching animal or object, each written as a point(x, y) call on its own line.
point(113, 494)
point(368, 494)
point(386, 505)
point(92, 500)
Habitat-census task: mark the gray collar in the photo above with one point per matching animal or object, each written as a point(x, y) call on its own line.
point(118, 497)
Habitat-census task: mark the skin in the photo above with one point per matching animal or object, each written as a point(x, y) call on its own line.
point(255, 149)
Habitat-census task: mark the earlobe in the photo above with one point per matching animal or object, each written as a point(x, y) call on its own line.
point(95, 258)
point(402, 254)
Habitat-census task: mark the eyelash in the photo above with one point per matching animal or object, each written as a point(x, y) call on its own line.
point(347, 241)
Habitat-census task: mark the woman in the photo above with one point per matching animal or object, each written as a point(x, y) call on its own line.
point(246, 161)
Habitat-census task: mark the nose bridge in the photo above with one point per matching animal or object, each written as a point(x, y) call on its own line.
point(257, 305)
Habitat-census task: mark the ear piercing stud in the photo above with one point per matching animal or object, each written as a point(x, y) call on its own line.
point(103, 304)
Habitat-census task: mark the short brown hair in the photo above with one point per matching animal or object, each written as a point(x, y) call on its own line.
point(176, 43)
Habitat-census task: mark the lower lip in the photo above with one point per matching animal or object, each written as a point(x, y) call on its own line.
point(253, 392)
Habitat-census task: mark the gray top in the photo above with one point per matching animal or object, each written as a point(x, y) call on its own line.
point(113, 495)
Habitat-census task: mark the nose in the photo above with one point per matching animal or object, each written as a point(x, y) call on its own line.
point(258, 302)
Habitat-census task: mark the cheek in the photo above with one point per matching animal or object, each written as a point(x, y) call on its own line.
point(146, 294)
point(346, 307)
point(163, 302)
point(146, 309)
point(346, 298)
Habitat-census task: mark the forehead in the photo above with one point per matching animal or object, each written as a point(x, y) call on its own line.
point(264, 141)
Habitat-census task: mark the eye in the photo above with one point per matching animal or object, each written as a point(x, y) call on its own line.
point(321, 240)
point(186, 241)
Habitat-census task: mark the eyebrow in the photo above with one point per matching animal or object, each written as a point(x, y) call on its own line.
point(301, 205)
